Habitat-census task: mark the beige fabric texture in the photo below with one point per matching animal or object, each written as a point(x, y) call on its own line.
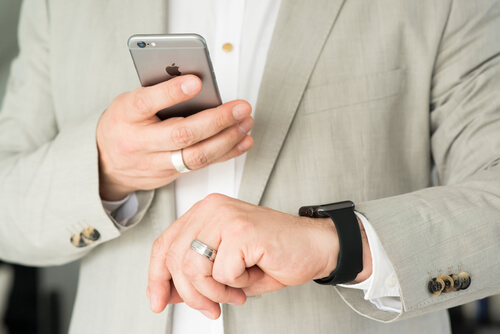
point(358, 101)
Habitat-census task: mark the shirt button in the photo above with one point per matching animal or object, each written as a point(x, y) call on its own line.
point(227, 47)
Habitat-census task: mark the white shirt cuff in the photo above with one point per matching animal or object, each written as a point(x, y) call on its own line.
point(382, 287)
point(122, 210)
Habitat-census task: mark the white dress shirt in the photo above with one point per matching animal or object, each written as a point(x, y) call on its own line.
point(248, 27)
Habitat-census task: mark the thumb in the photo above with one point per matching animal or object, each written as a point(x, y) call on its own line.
point(144, 102)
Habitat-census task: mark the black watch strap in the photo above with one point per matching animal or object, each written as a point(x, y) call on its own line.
point(350, 261)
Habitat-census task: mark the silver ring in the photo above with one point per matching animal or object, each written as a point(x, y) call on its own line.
point(178, 161)
point(202, 249)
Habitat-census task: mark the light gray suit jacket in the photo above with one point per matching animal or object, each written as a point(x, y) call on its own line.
point(359, 100)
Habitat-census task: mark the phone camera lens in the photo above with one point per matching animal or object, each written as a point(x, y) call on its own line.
point(141, 44)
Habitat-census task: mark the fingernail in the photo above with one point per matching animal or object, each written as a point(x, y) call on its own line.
point(246, 125)
point(154, 302)
point(241, 111)
point(189, 86)
point(207, 314)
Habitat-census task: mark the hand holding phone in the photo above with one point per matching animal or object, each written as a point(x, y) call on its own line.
point(159, 58)
point(135, 146)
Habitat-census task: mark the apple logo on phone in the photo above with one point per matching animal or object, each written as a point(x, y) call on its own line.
point(173, 70)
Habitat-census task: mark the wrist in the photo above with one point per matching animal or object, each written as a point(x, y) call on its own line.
point(367, 256)
point(110, 190)
point(350, 246)
point(112, 194)
point(331, 255)
point(327, 242)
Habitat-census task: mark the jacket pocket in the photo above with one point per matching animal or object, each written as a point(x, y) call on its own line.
point(353, 91)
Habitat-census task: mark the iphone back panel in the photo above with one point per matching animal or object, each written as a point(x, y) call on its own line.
point(159, 58)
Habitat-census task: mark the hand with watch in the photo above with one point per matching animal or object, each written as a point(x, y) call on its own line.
point(223, 250)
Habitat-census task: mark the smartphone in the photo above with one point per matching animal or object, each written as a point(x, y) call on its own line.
point(159, 58)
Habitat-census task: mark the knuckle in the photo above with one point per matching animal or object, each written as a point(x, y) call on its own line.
point(193, 302)
point(219, 121)
point(172, 92)
point(183, 136)
point(116, 104)
point(171, 261)
point(218, 202)
point(220, 295)
point(222, 277)
point(197, 159)
point(190, 270)
point(214, 199)
point(243, 225)
point(127, 147)
point(239, 229)
point(158, 246)
point(140, 101)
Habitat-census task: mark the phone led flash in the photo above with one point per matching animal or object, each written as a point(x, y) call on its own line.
point(153, 44)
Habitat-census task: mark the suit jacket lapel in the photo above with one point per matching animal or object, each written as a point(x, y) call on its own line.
point(301, 30)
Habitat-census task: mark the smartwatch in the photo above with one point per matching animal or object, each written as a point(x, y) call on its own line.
point(350, 260)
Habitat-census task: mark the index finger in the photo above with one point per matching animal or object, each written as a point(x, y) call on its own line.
point(144, 102)
point(160, 288)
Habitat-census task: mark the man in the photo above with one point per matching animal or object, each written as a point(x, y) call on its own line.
point(356, 99)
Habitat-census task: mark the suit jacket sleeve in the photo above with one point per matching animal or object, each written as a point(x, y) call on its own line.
point(48, 171)
point(456, 223)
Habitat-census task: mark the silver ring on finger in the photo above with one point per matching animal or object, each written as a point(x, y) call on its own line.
point(202, 249)
point(178, 161)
